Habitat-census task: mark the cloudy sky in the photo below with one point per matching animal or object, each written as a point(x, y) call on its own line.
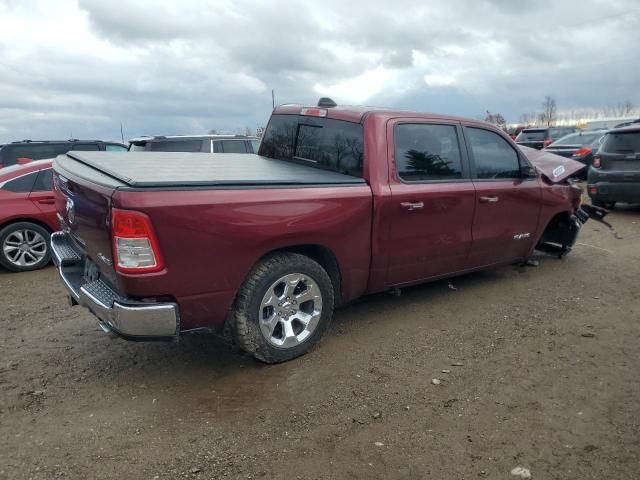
point(167, 67)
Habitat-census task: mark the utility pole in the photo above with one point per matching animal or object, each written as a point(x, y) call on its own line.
point(273, 99)
point(121, 133)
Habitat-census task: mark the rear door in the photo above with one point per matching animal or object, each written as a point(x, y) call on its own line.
point(42, 195)
point(507, 206)
point(429, 218)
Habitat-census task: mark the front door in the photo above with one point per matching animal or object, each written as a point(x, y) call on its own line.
point(507, 205)
point(428, 220)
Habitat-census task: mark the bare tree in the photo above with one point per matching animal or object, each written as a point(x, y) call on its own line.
point(625, 108)
point(549, 111)
point(528, 118)
point(496, 119)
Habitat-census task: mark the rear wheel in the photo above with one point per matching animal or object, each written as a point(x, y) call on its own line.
point(283, 308)
point(607, 205)
point(24, 246)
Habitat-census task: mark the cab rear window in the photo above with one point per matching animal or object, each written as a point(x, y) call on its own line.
point(323, 143)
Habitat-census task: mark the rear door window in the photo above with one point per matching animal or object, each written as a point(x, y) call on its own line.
point(427, 152)
point(34, 151)
point(493, 156)
point(255, 144)
point(44, 181)
point(176, 146)
point(114, 147)
point(233, 146)
point(627, 142)
point(85, 147)
point(324, 143)
point(23, 184)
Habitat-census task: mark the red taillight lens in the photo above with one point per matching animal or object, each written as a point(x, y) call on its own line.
point(584, 151)
point(593, 190)
point(548, 142)
point(135, 247)
point(595, 163)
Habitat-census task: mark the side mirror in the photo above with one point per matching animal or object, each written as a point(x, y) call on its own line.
point(527, 171)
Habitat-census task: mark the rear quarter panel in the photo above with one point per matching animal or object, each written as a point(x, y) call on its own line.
point(210, 239)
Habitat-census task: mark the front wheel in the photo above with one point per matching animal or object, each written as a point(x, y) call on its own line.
point(283, 308)
point(24, 246)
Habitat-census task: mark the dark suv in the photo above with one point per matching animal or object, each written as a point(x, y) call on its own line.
point(614, 175)
point(540, 137)
point(39, 150)
point(196, 143)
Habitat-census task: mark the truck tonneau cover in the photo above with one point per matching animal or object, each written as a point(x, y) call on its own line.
point(175, 169)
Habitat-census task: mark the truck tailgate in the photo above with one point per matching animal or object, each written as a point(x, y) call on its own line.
point(83, 201)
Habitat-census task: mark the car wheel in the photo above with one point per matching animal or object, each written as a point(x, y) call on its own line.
point(283, 308)
point(24, 246)
point(607, 205)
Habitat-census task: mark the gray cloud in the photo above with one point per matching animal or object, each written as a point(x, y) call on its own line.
point(166, 67)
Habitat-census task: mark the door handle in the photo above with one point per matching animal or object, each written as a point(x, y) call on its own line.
point(412, 205)
point(491, 199)
point(46, 201)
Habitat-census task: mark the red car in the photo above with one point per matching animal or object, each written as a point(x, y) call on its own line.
point(27, 215)
point(339, 203)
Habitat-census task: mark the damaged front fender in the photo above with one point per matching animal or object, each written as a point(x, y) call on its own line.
point(562, 232)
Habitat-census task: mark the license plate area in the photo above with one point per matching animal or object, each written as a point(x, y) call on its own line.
point(91, 272)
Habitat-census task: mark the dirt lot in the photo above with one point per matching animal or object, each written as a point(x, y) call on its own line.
point(549, 381)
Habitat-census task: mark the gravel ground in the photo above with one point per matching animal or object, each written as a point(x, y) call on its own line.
point(538, 367)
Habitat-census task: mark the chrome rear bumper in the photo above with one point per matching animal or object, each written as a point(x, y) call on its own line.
point(126, 318)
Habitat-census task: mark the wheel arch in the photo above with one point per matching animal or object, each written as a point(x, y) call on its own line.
point(559, 229)
point(324, 256)
point(27, 220)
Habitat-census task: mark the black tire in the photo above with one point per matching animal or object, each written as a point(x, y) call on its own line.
point(244, 318)
point(10, 231)
point(607, 205)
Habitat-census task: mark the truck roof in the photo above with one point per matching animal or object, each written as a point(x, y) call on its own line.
point(201, 169)
point(356, 114)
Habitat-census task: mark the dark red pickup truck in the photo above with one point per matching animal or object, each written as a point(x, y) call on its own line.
point(339, 203)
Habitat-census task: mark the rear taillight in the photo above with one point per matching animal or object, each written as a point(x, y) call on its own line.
point(135, 247)
point(584, 151)
point(548, 142)
point(593, 190)
point(595, 163)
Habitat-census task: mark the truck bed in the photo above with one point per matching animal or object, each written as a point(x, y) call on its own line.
point(171, 169)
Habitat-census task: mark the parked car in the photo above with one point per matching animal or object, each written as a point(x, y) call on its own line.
point(608, 123)
point(578, 146)
point(515, 131)
point(628, 123)
point(27, 215)
point(38, 150)
point(196, 143)
point(264, 248)
point(614, 175)
point(541, 137)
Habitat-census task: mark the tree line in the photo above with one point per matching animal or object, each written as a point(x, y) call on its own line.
point(549, 115)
